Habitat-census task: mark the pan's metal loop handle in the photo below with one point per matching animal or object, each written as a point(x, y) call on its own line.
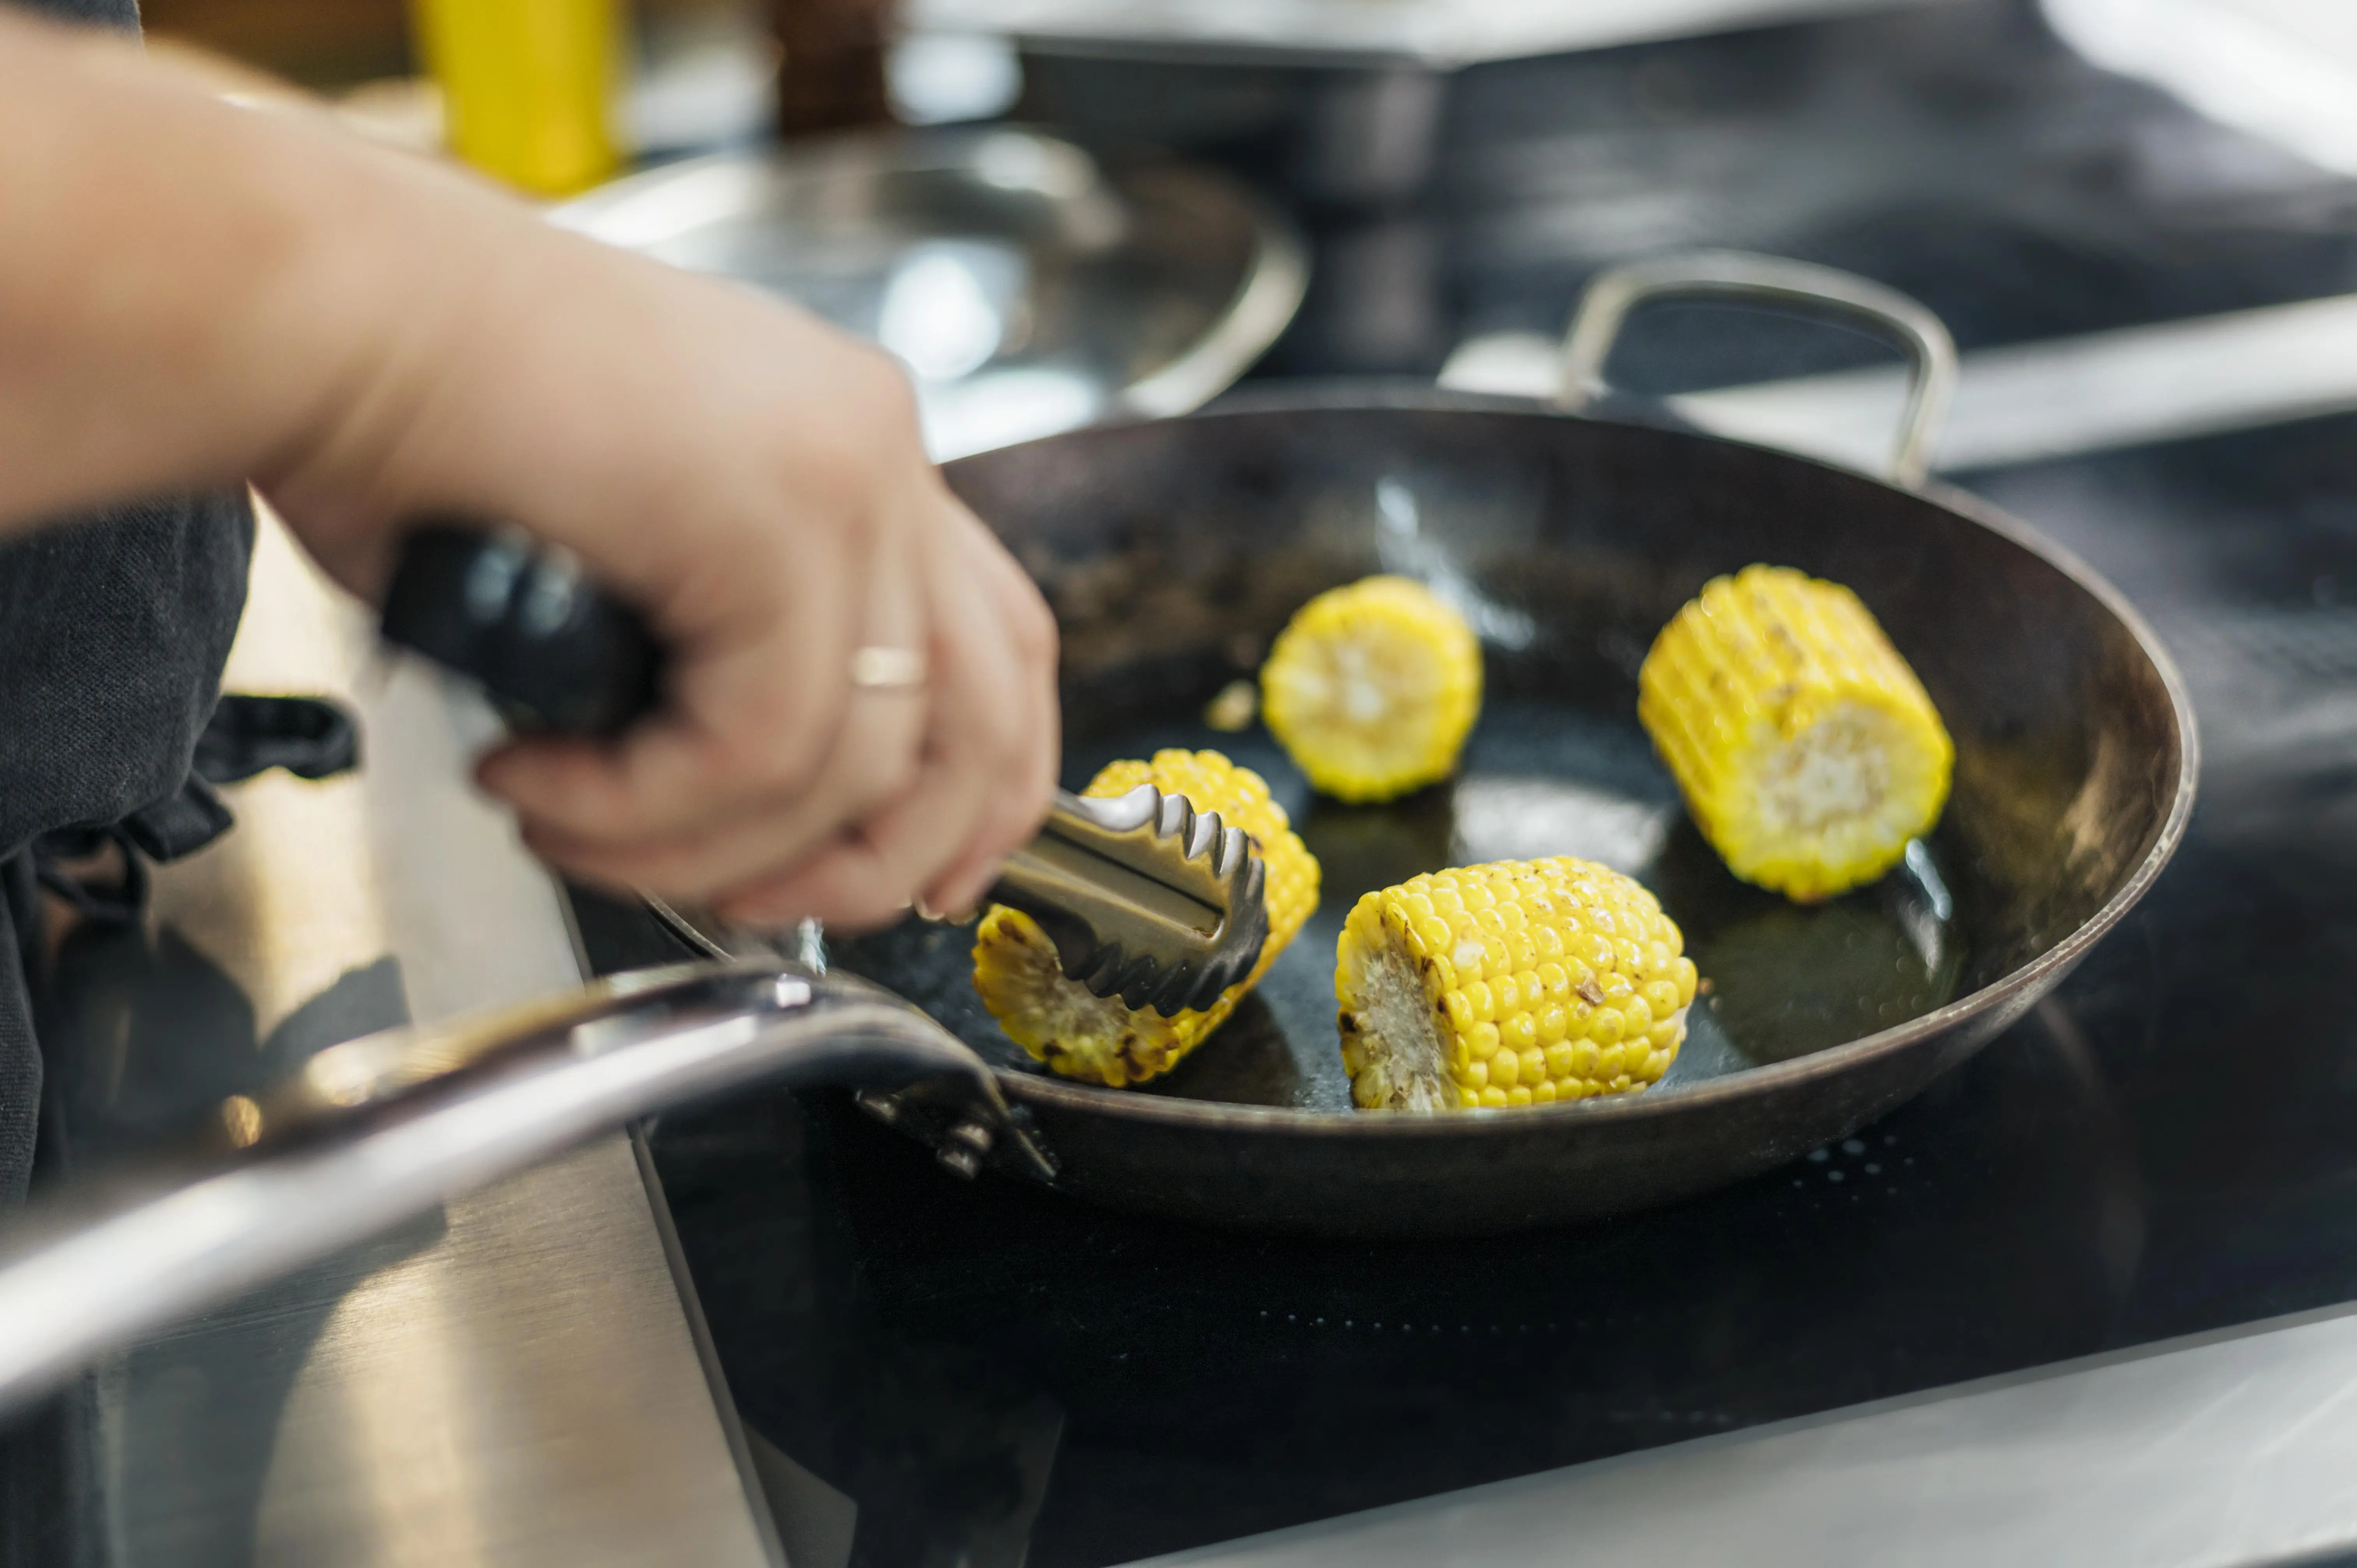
point(378, 1130)
point(1737, 275)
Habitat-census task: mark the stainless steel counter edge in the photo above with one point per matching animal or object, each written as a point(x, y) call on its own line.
point(516, 1382)
point(2229, 1448)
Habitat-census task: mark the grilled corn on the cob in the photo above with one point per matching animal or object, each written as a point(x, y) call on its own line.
point(1808, 752)
point(1371, 689)
point(1521, 982)
point(1095, 1037)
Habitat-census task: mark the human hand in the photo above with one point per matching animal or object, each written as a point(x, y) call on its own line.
point(194, 294)
point(754, 484)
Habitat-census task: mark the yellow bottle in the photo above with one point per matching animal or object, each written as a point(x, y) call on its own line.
point(527, 86)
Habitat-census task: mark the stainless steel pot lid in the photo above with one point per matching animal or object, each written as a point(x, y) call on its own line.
point(1028, 290)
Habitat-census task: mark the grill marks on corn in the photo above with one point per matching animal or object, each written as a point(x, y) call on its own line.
point(1077, 1034)
point(1061, 1024)
point(1521, 983)
point(1808, 752)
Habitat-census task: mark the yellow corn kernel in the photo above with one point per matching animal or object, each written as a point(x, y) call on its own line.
point(1095, 1037)
point(1808, 752)
point(1373, 688)
point(1234, 708)
point(1415, 1039)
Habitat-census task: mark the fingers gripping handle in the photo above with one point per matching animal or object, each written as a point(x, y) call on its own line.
point(551, 651)
point(1136, 905)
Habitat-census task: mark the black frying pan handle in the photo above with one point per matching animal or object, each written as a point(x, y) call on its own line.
point(552, 651)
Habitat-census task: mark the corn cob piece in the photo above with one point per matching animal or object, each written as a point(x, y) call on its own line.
point(1095, 1037)
point(1373, 688)
point(1808, 752)
point(1520, 983)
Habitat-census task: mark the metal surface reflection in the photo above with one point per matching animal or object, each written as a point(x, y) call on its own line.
point(1510, 818)
point(1401, 546)
point(948, 306)
point(1028, 289)
point(511, 1379)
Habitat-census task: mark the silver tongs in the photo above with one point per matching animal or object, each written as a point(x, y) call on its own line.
point(1145, 897)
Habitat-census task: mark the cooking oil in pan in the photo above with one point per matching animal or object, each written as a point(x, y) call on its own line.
point(1537, 779)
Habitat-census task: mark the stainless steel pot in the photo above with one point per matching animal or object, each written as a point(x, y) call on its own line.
point(1028, 288)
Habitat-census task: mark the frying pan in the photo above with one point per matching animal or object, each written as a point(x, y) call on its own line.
point(1172, 552)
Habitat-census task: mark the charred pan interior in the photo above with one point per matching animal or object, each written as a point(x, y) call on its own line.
point(1174, 552)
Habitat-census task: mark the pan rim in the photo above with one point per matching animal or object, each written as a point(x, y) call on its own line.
point(2031, 979)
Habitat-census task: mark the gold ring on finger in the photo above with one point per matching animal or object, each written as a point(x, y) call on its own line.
point(876, 667)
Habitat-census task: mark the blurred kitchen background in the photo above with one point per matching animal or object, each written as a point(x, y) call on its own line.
point(2028, 168)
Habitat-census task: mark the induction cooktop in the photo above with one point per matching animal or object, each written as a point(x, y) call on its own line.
point(983, 1373)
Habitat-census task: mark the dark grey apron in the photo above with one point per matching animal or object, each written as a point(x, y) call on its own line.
point(113, 631)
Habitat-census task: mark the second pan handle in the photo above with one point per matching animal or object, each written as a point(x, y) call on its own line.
point(1739, 275)
point(373, 1131)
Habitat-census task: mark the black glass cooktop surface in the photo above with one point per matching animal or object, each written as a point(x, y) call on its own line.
point(2169, 1144)
point(983, 1373)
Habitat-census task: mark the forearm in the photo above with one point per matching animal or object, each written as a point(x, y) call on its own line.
point(183, 288)
point(195, 295)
